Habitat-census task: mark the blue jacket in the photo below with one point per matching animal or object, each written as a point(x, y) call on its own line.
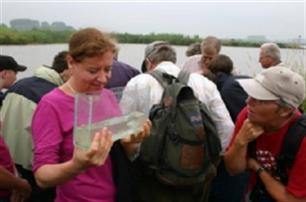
point(233, 95)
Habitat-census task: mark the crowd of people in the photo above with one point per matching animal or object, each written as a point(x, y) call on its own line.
point(252, 117)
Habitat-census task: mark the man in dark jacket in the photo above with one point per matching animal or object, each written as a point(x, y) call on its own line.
point(225, 187)
point(8, 72)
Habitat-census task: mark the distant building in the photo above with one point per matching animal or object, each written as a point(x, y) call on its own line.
point(45, 25)
point(58, 26)
point(256, 38)
point(300, 40)
point(28, 24)
point(24, 24)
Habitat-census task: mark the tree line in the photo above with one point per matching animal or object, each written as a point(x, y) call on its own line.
point(9, 36)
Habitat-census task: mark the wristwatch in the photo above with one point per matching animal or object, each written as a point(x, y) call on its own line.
point(259, 170)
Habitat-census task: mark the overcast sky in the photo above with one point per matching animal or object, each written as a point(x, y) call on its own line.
point(225, 19)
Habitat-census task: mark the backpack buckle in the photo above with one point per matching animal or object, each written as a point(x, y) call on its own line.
point(172, 134)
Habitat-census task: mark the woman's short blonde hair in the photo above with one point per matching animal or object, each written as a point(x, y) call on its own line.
point(90, 42)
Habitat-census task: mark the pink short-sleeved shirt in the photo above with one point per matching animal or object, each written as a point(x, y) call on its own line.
point(52, 130)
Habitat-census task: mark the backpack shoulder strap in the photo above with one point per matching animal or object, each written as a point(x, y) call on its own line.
point(163, 78)
point(183, 77)
point(294, 138)
point(291, 145)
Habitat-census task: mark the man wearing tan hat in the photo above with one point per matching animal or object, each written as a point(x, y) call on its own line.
point(271, 111)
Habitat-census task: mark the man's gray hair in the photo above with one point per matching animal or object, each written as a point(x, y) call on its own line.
point(162, 53)
point(272, 50)
point(211, 41)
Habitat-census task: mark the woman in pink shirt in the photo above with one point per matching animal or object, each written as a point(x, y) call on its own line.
point(79, 175)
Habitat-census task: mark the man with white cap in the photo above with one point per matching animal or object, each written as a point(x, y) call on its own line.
point(274, 96)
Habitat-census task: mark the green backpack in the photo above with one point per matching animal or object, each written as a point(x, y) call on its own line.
point(183, 148)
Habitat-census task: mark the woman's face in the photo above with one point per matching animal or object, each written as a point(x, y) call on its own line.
point(92, 73)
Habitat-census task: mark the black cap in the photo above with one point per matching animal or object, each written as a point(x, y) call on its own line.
point(7, 62)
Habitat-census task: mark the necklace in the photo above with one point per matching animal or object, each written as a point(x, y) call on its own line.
point(71, 88)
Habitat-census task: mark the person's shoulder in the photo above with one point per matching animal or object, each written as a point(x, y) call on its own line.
point(110, 93)
point(125, 66)
point(24, 83)
point(192, 63)
point(141, 79)
point(31, 84)
point(56, 100)
point(228, 81)
point(197, 77)
point(141, 83)
point(202, 85)
point(194, 58)
point(54, 95)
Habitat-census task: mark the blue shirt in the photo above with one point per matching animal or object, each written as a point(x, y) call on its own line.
point(121, 74)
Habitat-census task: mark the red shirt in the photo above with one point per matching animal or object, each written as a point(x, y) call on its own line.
point(268, 147)
point(6, 162)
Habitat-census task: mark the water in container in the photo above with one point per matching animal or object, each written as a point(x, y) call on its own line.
point(89, 115)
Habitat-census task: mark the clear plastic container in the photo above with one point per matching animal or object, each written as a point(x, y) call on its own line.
point(89, 115)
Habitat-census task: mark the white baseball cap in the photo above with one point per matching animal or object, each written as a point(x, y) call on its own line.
point(276, 83)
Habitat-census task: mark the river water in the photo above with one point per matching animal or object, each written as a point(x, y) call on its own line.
point(245, 59)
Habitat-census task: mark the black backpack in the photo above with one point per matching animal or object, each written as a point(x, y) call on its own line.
point(183, 148)
point(285, 160)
